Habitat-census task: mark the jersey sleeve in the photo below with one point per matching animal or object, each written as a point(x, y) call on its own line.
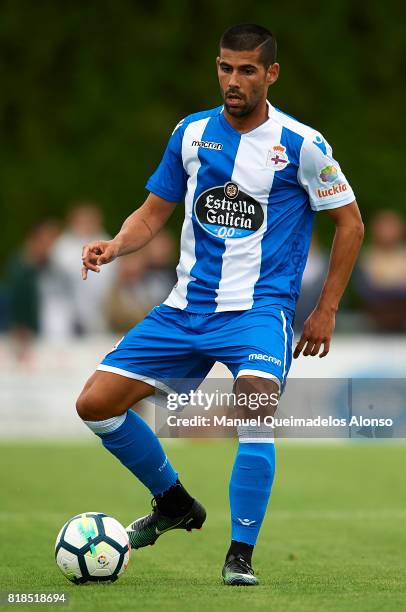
point(321, 176)
point(169, 179)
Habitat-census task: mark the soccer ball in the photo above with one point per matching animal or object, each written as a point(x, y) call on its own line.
point(92, 547)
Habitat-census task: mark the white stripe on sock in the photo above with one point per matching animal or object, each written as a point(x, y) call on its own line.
point(254, 434)
point(107, 426)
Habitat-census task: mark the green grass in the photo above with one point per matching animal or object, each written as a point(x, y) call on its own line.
point(333, 539)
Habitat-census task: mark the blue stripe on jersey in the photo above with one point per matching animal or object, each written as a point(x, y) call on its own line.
point(169, 181)
point(216, 169)
point(278, 209)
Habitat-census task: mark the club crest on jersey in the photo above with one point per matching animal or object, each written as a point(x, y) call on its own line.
point(225, 211)
point(277, 158)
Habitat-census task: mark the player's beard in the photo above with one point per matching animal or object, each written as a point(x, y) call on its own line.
point(241, 111)
point(245, 108)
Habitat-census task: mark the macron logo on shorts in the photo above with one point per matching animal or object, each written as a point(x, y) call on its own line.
point(260, 357)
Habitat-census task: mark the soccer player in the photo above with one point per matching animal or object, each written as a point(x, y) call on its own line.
point(252, 179)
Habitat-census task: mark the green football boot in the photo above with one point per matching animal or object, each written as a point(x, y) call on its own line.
point(146, 530)
point(238, 572)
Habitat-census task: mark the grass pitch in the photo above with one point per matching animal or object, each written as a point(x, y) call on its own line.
point(333, 539)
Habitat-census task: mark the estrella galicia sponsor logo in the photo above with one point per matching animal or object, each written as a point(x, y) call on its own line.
point(261, 357)
point(206, 144)
point(228, 212)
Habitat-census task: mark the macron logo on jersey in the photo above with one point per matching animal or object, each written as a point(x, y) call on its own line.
point(206, 144)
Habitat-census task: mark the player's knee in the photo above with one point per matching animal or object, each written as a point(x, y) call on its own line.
point(256, 395)
point(90, 407)
point(84, 407)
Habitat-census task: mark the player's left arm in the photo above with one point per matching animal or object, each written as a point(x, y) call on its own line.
point(319, 326)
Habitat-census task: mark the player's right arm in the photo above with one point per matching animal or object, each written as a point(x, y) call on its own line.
point(137, 230)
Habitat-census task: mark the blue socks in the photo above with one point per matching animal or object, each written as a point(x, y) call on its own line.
point(134, 443)
point(130, 439)
point(250, 488)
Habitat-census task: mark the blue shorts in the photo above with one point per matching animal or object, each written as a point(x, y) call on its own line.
point(173, 345)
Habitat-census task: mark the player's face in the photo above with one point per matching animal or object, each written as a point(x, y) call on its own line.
point(244, 80)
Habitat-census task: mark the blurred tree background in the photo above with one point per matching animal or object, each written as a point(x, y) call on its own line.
point(90, 92)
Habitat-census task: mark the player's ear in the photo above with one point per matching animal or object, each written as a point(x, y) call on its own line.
point(272, 73)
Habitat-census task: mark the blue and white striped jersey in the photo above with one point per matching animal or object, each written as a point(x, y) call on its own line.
point(250, 201)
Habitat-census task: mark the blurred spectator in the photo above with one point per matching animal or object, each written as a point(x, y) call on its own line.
point(381, 275)
point(161, 275)
point(37, 292)
point(144, 280)
point(84, 223)
point(313, 279)
point(126, 305)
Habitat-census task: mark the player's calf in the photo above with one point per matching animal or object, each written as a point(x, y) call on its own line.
point(250, 488)
point(104, 407)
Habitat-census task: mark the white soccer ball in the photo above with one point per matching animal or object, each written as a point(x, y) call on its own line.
point(92, 547)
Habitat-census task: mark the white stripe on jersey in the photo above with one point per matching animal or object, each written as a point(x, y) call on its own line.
point(191, 161)
point(237, 283)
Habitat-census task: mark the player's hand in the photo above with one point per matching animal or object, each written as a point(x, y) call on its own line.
point(96, 254)
point(317, 331)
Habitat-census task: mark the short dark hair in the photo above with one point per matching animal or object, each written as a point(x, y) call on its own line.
point(248, 37)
